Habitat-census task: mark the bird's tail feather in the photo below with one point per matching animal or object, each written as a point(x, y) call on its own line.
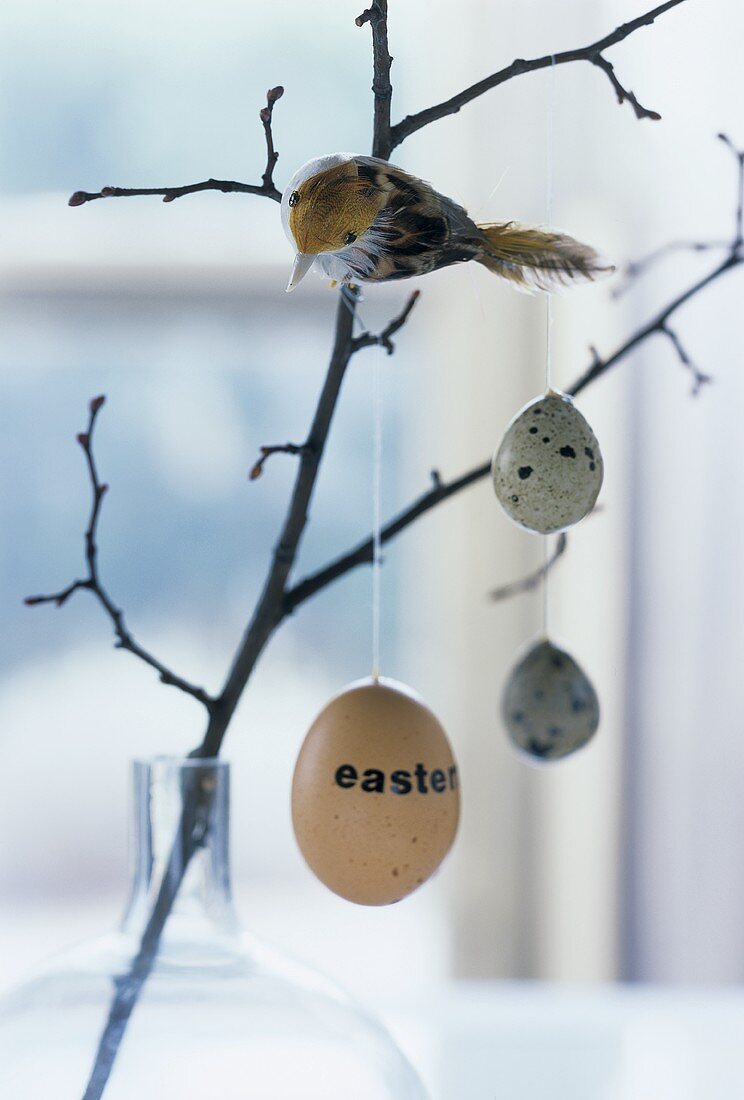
point(535, 259)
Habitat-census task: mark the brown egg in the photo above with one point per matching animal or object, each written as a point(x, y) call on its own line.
point(375, 794)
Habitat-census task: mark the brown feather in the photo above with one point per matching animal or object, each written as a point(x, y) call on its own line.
point(535, 259)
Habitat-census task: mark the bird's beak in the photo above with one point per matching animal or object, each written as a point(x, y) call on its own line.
point(303, 262)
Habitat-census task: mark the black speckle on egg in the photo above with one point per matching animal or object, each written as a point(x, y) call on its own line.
point(537, 748)
point(533, 431)
point(546, 439)
point(568, 452)
point(515, 498)
point(589, 452)
point(524, 472)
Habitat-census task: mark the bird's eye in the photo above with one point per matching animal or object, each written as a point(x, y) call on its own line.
point(294, 198)
point(350, 238)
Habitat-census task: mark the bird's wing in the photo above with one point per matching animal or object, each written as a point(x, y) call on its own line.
point(418, 229)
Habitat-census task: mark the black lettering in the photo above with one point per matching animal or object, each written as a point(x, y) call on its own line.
point(420, 773)
point(374, 780)
point(346, 776)
point(453, 777)
point(438, 780)
point(400, 782)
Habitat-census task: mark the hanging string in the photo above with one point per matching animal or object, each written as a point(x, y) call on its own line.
point(549, 150)
point(376, 515)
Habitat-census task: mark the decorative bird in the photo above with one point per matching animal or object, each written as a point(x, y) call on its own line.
point(359, 219)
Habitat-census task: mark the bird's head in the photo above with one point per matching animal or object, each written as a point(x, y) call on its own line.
point(326, 207)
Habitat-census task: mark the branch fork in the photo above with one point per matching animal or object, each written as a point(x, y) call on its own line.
point(384, 339)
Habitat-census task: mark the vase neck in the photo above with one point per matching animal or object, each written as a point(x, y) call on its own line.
point(165, 790)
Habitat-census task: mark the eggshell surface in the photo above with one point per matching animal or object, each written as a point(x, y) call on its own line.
point(548, 471)
point(549, 706)
point(375, 794)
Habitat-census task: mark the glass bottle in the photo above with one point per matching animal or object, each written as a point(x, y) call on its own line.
point(218, 1015)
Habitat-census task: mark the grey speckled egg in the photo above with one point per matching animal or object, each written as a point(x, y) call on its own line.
point(548, 471)
point(549, 706)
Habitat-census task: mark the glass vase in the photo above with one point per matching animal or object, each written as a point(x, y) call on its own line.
point(178, 1002)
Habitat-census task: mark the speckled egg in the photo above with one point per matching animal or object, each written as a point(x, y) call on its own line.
point(375, 794)
point(549, 706)
point(548, 471)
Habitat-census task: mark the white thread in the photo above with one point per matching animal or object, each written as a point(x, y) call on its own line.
point(482, 209)
point(546, 574)
point(376, 515)
point(549, 140)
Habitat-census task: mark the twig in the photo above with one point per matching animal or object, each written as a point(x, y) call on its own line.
point(659, 324)
point(266, 187)
point(593, 54)
point(636, 268)
point(275, 449)
point(739, 155)
point(623, 94)
point(600, 366)
point(532, 580)
point(92, 583)
point(376, 16)
point(733, 245)
point(364, 340)
point(698, 378)
point(384, 339)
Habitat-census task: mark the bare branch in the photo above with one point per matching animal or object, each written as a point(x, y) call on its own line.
point(384, 338)
point(376, 16)
point(92, 583)
point(266, 188)
point(532, 580)
point(593, 53)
